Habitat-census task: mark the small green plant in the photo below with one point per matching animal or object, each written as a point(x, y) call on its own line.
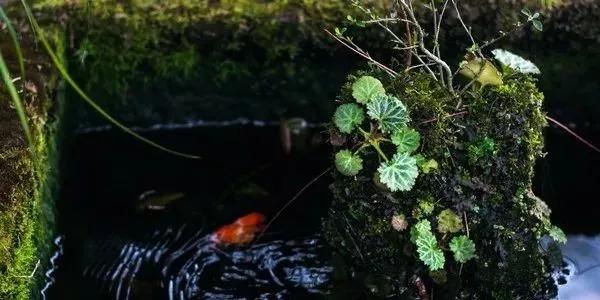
point(463, 248)
point(448, 222)
point(389, 124)
point(481, 148)
point(427, 246)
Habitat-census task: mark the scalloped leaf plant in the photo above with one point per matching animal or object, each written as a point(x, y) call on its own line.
point(365, 88)
point(348, 163)
point(389, 112)
point(389, 124)
point(463, 248)
point(399, 173)
point(427, 246)
point(348, 116)
point(407, 139)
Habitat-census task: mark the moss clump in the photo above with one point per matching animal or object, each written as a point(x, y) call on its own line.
point(490, 194)
point(27, 186)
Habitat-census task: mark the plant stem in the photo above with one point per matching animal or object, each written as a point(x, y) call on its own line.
point(375, 145)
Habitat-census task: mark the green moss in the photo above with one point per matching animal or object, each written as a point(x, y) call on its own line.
point(491, 192)
point(139, 58)
point(27, 187)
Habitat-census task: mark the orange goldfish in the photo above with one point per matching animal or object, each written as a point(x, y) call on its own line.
point(240, 232)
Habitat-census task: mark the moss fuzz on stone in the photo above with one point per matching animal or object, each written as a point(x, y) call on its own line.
point(27, 186)
point(492, 191)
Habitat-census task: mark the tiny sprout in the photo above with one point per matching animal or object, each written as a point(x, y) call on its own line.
point(423, 208)
point(428, 165)
point(339, 32)
point(399, 222)
point(448, 222)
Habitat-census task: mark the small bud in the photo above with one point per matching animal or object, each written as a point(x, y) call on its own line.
point(399, 222)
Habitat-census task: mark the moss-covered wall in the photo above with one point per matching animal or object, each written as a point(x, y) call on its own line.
point(150, 61)
point(27, 180)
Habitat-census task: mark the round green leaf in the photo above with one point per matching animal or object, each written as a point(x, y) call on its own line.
point(407, 139)
point(463, 248)
point(365, 88)
point(348, 116)
point(400, 173)
point(389, 112)
point(448, 221)
point(348, 163)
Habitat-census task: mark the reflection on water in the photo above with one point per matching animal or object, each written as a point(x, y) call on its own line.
point(185, 264)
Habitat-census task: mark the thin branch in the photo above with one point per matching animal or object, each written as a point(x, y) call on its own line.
point(300, 192)
point(460, 113)
point(435, 41)
point(420, 65)
point(466, 222)
point(384, 20)
point(410, 11)
point(366, 56)
point(467, 30)
point(503, 34)
point(572, 133)
point(406, 48)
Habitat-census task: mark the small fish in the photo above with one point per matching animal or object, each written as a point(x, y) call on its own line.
point(152, 200)
point(240, 232)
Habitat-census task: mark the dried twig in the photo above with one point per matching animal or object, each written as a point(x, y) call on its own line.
point(460, 113)
point(283, 208)
point(421, 37)
point(365, 55)
point(572, 133)
point(467, 29)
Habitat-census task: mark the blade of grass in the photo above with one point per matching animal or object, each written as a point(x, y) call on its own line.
point(573, 134)
point(15, 40)
point(65, 75)
point(12, 91)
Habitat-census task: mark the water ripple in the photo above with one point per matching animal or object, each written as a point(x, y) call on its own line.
point(180, 264)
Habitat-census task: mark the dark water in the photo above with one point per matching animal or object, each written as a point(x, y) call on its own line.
point(568, 177)
point(112, 250)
